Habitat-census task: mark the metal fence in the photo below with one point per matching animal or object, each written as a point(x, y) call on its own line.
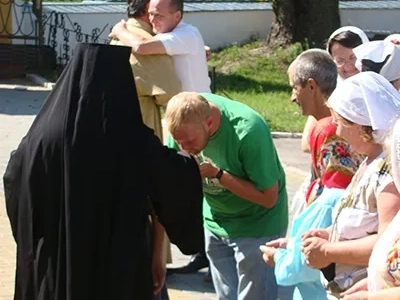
point(57, 24)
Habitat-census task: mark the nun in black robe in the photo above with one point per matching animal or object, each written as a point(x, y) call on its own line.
point(77, 188)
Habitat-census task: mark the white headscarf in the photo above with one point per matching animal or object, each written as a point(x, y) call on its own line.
point(395, 153)
point(367, 99)
point(352, 29)
point(394, 38)
point(378, 52)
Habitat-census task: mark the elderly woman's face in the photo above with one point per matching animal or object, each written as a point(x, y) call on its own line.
point(345, 60)
point(349, 132)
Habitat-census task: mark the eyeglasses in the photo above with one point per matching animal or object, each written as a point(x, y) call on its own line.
point(340, 62)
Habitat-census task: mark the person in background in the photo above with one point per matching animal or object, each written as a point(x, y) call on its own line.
point(382, 57)
point(184, 43)
point(155, 77)
point(394, 38)
point(156, 82)
point(340, 46)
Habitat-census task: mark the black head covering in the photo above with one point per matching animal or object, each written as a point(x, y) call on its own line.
point(77, 187)
point(373, 66)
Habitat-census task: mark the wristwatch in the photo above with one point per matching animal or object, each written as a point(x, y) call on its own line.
point(219, 174)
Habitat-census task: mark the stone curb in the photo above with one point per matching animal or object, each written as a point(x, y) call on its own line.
point(294, 170)
point(286, 135)
point(41, 80)
point(15, 87)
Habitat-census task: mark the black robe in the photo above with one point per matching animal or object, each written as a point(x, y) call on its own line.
point(76, 188)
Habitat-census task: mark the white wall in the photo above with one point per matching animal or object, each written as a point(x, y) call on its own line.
point(370, 19)
point(222, 28)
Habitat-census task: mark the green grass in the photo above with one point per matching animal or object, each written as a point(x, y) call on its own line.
point(249, 75)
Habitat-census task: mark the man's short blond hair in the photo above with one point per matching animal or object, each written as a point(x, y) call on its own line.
point(184, 108)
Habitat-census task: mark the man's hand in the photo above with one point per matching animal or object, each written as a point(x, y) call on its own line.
point(159, 273)
point(321, 233)
point(208, 52)
point(208, 170)
point(116, 29)
point(362, 285)
point(314, 249)
point(279, 243)
point(361, 295)
point(268, 254)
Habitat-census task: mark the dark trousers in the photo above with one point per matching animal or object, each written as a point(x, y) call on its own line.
point(163, 294)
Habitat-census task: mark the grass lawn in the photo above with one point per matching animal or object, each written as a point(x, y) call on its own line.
point(249, 75)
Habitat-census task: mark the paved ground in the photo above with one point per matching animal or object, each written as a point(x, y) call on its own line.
point(19, 104)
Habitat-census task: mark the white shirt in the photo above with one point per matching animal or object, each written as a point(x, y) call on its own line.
point(186, 46)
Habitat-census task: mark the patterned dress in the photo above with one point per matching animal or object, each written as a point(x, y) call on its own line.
point(384, 263)
point(356, 217)
point(333, 159)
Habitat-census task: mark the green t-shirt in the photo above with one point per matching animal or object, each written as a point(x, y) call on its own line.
point(243, 147)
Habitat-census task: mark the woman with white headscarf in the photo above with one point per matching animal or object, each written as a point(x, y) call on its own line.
point(382, 57)
point(362, 106)
point(383, 280)
point(340, 46)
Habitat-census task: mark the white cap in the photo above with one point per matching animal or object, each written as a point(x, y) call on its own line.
point(383, 55)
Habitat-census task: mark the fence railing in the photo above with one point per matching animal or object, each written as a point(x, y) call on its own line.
point(60, 31)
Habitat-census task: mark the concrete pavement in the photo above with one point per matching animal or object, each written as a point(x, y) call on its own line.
point(19, 104)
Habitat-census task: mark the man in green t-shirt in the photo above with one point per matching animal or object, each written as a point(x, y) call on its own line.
point(244, 188)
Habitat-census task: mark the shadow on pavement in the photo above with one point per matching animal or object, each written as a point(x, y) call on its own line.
point(21, 102)
point(195, 283)
point(190, 283)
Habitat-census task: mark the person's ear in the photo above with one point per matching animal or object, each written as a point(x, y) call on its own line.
point(312, 84)
point(209, 121)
